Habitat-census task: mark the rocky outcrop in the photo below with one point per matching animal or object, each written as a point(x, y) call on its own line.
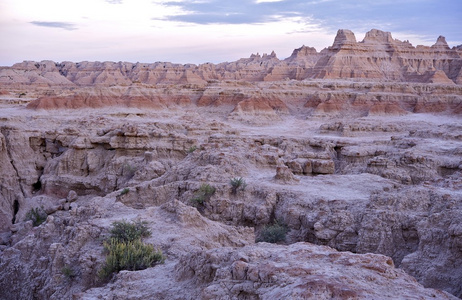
point(345, 37)
point(265, 271)
point(375, 184)
point(10, 194)
point(33, 267)
point(377, 57)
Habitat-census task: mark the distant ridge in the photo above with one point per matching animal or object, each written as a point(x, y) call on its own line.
point(378, 57)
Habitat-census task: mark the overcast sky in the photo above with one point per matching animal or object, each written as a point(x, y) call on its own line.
point(199, 31)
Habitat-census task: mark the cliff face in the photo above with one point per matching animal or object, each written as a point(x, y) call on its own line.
point(381, 57)
point(377, 57)
point(315, 98)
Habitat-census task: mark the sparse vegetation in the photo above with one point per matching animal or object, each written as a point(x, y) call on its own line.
point(68, 271)
point(132, 256)
point(237, 184)
point(192, 149)
point(124, 191)
point(129, 231)
point(126, 250)
point(274, 233)
point(203, 194)
point(36, 215)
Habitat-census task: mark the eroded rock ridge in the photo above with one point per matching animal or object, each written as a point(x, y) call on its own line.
point(377, 56)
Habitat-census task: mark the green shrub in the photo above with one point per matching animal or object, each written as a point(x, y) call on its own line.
point(68, 272)
point(192, 149)
point(36, 215)
point(129, 231)
point(124, 191)
point(126, 251)
point(203, 194)
point(237, 184)
point(274, 233)
point(129, 255)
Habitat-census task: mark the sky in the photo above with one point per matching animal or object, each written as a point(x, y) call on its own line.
point(200, 31)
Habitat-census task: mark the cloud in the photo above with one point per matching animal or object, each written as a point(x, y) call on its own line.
point(428, 17)
point(62, 25)
point(114, 1)
point(215, 18)
point(236, 12)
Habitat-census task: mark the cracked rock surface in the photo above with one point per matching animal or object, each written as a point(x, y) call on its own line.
point(384, 185)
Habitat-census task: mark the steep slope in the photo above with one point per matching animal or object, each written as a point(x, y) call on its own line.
point(313, 98)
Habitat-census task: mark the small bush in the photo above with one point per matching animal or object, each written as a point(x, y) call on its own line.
point(126, 251)
point(203, 194)
point(274, 233)
point(237, 184)
point(68, 272)
point(192, 149)
point(129, 255)
point(36, 215)
point(129, 231)
point(124, 191)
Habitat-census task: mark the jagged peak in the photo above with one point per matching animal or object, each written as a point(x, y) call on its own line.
point(343, 37)
point(272, 55)
point(441, 43)
point(303, 51)
point(305, 62)
point(265, 56)
point(377, 36)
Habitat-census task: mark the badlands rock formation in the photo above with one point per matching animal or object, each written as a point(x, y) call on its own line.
point(377, 57)
point(356, 149)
